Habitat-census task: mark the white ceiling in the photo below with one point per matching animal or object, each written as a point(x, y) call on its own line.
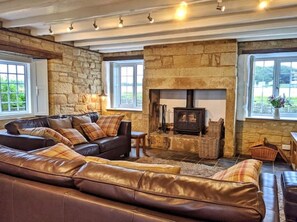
point(242, 20)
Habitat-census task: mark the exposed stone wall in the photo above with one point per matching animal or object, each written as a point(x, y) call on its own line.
point(135, 117)
point(74, 81)
point(196, 65)
point(252, 130)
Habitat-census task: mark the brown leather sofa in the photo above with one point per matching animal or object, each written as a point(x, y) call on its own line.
point(35, 188)
point(109, 147)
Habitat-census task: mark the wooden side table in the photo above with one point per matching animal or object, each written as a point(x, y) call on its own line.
point(138, 136)
point(294, 150)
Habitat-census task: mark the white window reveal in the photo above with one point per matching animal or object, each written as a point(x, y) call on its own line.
point(126, 84)
point(273, 74)
point(23, 87)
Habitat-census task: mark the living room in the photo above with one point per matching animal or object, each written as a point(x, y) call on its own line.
point(229, 54)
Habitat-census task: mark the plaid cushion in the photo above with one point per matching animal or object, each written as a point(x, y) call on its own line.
point(46, 133)
point(110, 124)
point(93, 131)
point(73, 135)
point(61, 151)
point(245, 171)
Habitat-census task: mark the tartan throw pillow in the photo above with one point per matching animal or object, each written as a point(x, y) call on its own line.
point(73, 135)
point(60, 150)
point(47, 133)
point(93, 131)
point(110, 124)
point(245, 171)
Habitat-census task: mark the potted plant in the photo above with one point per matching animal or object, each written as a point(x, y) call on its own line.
point(278, 102)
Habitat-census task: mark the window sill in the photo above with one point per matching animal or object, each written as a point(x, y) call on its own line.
point(271, 118)
point(124, 109)
point(17, 116)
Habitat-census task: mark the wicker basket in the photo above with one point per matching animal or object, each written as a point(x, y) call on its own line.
point(264, 151)
point(216, 128)
point(209, 147)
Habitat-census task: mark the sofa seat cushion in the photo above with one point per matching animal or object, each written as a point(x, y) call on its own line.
point(46, 133)
point(87, 149)
point(157, 168)
point(110, 143)
point(73, 135)
point(54, 171)
point(245, 171)
point(190, 196)
point(61, 151)
point(110, 124)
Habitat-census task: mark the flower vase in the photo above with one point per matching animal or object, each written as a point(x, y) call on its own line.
point(276, 113)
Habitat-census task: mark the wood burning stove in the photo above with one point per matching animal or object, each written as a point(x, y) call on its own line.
point(189, 120)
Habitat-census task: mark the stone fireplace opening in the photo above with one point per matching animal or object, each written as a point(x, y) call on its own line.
point(191, 113)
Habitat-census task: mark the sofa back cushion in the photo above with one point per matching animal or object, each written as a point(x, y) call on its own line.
point(78, 120)
point(196, 197)
point(54, 171)
point(64, 123)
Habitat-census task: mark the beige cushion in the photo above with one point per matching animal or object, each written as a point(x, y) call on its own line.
point(157, 168)
point(64, 123)
point(78, 120)
point(110, 124)
point(47, 133)
point(60, 150)
point(73, 135)
point(93, 131)
point(245, 171)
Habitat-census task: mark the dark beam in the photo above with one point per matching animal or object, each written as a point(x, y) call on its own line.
point(36, 53)
point(273, 50)
point(117, 58)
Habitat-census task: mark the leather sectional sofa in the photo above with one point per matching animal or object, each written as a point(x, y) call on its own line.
point(35, 188)
point(108, 147)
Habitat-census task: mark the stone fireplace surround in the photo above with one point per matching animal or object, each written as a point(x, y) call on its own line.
point(198, 65)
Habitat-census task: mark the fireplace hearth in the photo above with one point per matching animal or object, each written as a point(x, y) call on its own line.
point(189, 120)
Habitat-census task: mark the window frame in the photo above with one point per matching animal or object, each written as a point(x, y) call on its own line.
point(115, 95)
point(278, 58)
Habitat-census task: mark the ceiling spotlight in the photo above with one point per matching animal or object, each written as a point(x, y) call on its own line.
point(70, 28)
point(50, 30)
point(221, 7)
point(96, 27)
point(181, 11)
point(121, 22)
point(151, 20)
point(263, 4)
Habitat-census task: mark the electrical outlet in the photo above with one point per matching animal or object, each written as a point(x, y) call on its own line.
point(286, 147)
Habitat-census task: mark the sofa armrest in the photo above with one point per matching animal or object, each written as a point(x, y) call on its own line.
point(24, 142)
point(125, 129)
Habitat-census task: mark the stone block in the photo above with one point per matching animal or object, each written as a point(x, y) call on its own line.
point(228, 59)
point(185, 61)
point(59, 87)
point(72, 98)
point(58, 99)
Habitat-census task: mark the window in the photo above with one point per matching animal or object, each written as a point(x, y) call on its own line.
point(273, 74)
point(13, 87)
point(23, 86)
point(126, 84)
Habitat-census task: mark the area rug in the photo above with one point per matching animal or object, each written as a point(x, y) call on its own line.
point(205, 171)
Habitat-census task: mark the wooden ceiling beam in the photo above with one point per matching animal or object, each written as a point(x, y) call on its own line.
point(35, 53)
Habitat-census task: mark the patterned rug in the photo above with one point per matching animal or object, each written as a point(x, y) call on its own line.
point(205, 171)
